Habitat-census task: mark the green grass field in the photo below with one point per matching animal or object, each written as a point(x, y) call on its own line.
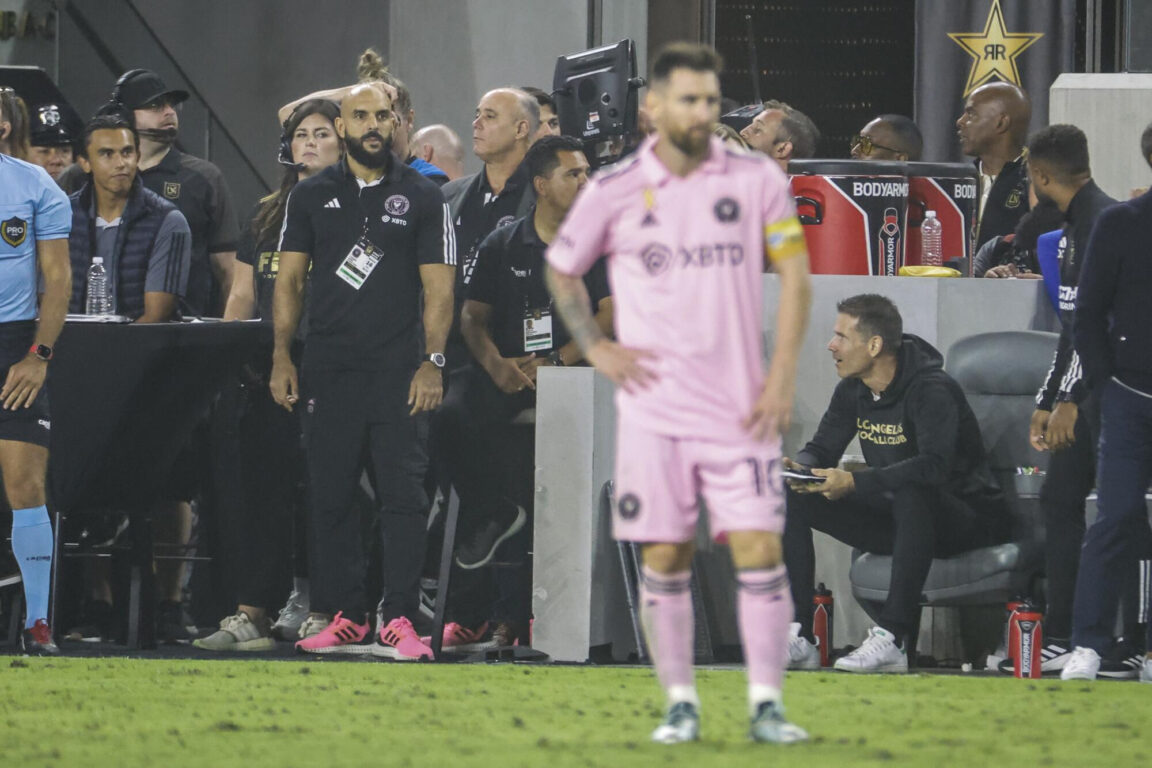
point(131, 712)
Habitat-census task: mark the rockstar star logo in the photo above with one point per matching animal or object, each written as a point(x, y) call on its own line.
point(994, 50)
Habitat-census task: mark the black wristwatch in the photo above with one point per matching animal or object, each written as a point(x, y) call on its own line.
point(555, 358)
point(42, 351)
point(437, 359)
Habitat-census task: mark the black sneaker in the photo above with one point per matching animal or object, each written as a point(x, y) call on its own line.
point(37, 640)
point(171, 623)
point(96, 623)
point(506, 520)
point(1053, 656)
point(1123, 662)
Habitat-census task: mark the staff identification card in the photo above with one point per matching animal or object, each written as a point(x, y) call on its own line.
point(359, 263)
point(537, 331)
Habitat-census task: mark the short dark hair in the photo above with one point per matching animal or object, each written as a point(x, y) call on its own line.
point(112, 121)
point(543, 156)
point(875, 315)
point(543, 98)
point(1063, 149)
point(1146, 144)
point(907, 134)
point(682, 55)
point(797, 128)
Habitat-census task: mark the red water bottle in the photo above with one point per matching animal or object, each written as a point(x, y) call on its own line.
point(1028, 639)
point(1011, 608)
point(822, 622)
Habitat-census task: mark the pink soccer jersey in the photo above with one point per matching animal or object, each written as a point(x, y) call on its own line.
point(686, 263)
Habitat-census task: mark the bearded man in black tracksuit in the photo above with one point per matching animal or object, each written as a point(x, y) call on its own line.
point(927, 490)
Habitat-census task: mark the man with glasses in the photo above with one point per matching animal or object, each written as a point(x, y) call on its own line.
point(888, 137)
point(782, 132)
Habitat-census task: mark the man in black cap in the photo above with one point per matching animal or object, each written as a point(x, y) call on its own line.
point(53, 132)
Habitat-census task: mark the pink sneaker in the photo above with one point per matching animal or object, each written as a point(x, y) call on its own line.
point(341, 636)
point(399, 641)
point(458, 637)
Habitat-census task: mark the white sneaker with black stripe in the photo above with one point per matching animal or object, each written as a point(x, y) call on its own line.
point(1053, 656)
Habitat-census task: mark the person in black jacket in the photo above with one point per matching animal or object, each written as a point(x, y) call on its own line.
point(1113, 337)
point(927, 490)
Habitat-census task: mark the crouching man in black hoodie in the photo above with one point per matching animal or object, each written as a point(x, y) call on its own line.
point(927, 490)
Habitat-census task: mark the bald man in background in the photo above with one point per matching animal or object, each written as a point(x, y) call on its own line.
point(888, 137)
point(440, 145)
point(992, 129)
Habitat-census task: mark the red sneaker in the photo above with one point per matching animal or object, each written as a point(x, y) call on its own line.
point(37, 640)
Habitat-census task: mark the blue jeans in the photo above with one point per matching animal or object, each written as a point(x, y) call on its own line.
point(1123, 471)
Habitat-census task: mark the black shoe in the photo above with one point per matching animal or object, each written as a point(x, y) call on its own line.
point(506, 520)
point(96, 623)
point(1123, 662)
point(171, 623)
point(37, 640)
point(1054, 654)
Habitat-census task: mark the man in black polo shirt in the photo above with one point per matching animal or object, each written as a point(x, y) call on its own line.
point(511, 329)
point(380, 240)
point(992, 129)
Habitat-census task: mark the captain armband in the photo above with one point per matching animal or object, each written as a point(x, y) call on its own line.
point(785, 239)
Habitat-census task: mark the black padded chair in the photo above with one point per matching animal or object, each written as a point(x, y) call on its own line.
point(1000, 373)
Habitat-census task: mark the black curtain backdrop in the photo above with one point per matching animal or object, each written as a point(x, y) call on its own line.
point(963, 44)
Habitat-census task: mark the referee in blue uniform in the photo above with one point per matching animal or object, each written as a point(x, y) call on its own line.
point(35, 220)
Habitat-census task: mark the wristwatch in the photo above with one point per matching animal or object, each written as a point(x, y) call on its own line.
point(555, 359)
point(436, 358)
point(42, 351)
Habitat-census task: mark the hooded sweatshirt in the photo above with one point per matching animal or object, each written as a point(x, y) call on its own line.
point(919, 432)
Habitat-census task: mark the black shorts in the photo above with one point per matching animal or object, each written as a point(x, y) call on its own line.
point(24, 425)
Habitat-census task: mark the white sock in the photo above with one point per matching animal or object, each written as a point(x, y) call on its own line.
point(679, 693)
point(758, 694)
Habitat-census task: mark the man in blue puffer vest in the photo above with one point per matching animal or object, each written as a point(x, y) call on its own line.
point(144, 239)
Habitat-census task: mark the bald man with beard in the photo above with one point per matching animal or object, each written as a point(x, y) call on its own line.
point(992, 129)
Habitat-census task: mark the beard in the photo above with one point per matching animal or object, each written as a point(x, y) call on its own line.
point(365, 157)
point(692, 142)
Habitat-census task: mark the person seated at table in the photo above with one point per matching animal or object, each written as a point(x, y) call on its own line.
point(888, 137)
point(144, 239)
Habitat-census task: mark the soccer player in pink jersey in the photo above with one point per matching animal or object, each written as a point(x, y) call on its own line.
point(687, 224)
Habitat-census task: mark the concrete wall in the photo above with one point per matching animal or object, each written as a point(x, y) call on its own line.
point(1113, 110)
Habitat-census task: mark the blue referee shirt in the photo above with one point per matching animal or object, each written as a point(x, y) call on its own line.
point(32, 208)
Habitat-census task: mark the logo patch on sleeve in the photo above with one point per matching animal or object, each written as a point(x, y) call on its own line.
point(14, 231)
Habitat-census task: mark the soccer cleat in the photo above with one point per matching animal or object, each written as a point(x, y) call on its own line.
point(291, 617)
point(681, 723)
point(1082, 665)
point(506, 521)
point(878, 653)
point(801, 653)
point(238, 633)
point(313, 625)
point(37, 640)
point(399, 641)
point(1053, 656)
point(458, 637)
point(1146, 670)
point(770, 726)
point(340, 636)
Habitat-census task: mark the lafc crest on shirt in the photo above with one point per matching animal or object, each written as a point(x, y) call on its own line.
point(14, 231)
point(172, 190)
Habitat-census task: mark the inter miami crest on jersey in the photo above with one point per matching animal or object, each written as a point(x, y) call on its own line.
point(14, 231)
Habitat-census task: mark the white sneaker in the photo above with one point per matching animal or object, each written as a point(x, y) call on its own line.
point(1082, 665)
point(878, 653)
point(681, 724)
point(801, 653)
point(237, 633)
point(292, 615)
point(1146, 671)
point(312, 625)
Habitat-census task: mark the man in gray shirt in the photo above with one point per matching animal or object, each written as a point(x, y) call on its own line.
point(144, 239)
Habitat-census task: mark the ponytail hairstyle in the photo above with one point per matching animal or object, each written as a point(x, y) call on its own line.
point(14, 125)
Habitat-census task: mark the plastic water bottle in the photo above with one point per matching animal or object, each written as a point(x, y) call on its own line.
point(931, 241)
point(99, 301)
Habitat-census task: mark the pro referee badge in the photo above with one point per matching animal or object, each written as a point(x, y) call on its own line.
point(537, 330)
point(359, 263)
point(14, 231)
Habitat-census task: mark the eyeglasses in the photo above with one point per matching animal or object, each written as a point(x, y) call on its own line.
point(867, 145)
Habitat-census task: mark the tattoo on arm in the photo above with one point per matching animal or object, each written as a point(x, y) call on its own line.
point(571, 297)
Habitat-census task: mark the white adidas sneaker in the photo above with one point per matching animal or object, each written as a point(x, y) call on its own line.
point(801, 653)
point(878, 653)
point(1083, 664)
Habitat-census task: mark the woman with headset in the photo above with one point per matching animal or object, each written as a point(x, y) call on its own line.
point(262, 450)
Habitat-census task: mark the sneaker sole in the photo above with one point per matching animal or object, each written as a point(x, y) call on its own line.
point(889, 669)
point(792, 738)
point(517, 524)
point(388, 652)
point(258, 644)
point(804, 666)
point(353, 649)
point(1129, 674)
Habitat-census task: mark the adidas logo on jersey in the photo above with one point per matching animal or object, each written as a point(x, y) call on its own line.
point(333, 203)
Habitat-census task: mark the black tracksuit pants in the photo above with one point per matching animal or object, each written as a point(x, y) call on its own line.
point(354, 420)
point(913, 525)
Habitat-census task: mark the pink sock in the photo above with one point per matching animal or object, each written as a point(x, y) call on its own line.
point(666, 612)
point(764, 605)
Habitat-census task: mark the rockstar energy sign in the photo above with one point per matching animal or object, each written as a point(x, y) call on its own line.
point(964, 44)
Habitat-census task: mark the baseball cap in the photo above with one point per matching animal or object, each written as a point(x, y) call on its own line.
point(53, 125)
point(139, 87)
